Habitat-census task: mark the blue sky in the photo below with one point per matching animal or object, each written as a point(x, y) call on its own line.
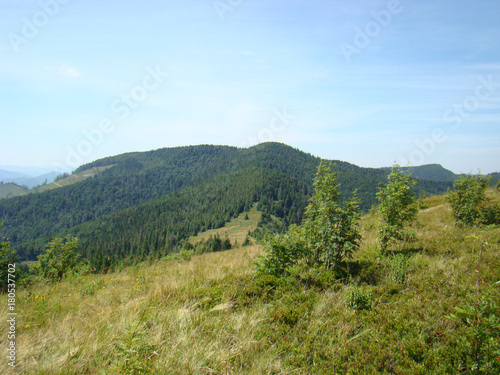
point(369, 82)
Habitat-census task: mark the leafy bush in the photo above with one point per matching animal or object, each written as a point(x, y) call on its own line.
point(133, 354)
point(282, 251)
point(328, 236)
point(397, 207)
point(470, 192)
point(60, 258)
point(490, 214)
point(331, 229)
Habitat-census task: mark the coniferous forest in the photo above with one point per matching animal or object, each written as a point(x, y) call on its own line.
point(143, 205)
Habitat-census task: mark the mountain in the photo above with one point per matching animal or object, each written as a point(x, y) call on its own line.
point(27, 176)
point(495, 178)
point(434, 172)
point(8, 176)
point(144, 204)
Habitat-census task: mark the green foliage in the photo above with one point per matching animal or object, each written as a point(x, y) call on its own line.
point(283, 251)
point(329, 235)
point(397, 207)
point(359, 297)
point(490, 214)
point(331, 229)
point(470, 192)
point(7, 256)
point(133, 354)
point(60, 258)
point(482, 345)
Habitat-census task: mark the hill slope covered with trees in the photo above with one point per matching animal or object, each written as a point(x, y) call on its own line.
point(145, 203)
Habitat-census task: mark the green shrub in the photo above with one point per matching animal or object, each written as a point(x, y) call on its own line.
point(470, 192)
point(359, 297)
point(397, 207)
point(282, 251)
point(133, 355)
point(331, 228)
point(490, 214)
point(60, 258)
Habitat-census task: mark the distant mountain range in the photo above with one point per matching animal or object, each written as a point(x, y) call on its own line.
point(26, 176)
point(144, 204)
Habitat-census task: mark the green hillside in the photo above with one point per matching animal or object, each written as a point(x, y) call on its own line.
point(433, 172)
point(9, 190)
point(70, 179)
point(144, 203)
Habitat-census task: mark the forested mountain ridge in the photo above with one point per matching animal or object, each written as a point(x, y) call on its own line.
point(146, 202)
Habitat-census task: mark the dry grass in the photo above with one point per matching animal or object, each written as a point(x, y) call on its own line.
point(62, 326)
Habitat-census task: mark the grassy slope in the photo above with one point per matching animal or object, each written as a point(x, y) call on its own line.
point(71, 179)
point(210, 315)
point(237, 229)
point(9, 190)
